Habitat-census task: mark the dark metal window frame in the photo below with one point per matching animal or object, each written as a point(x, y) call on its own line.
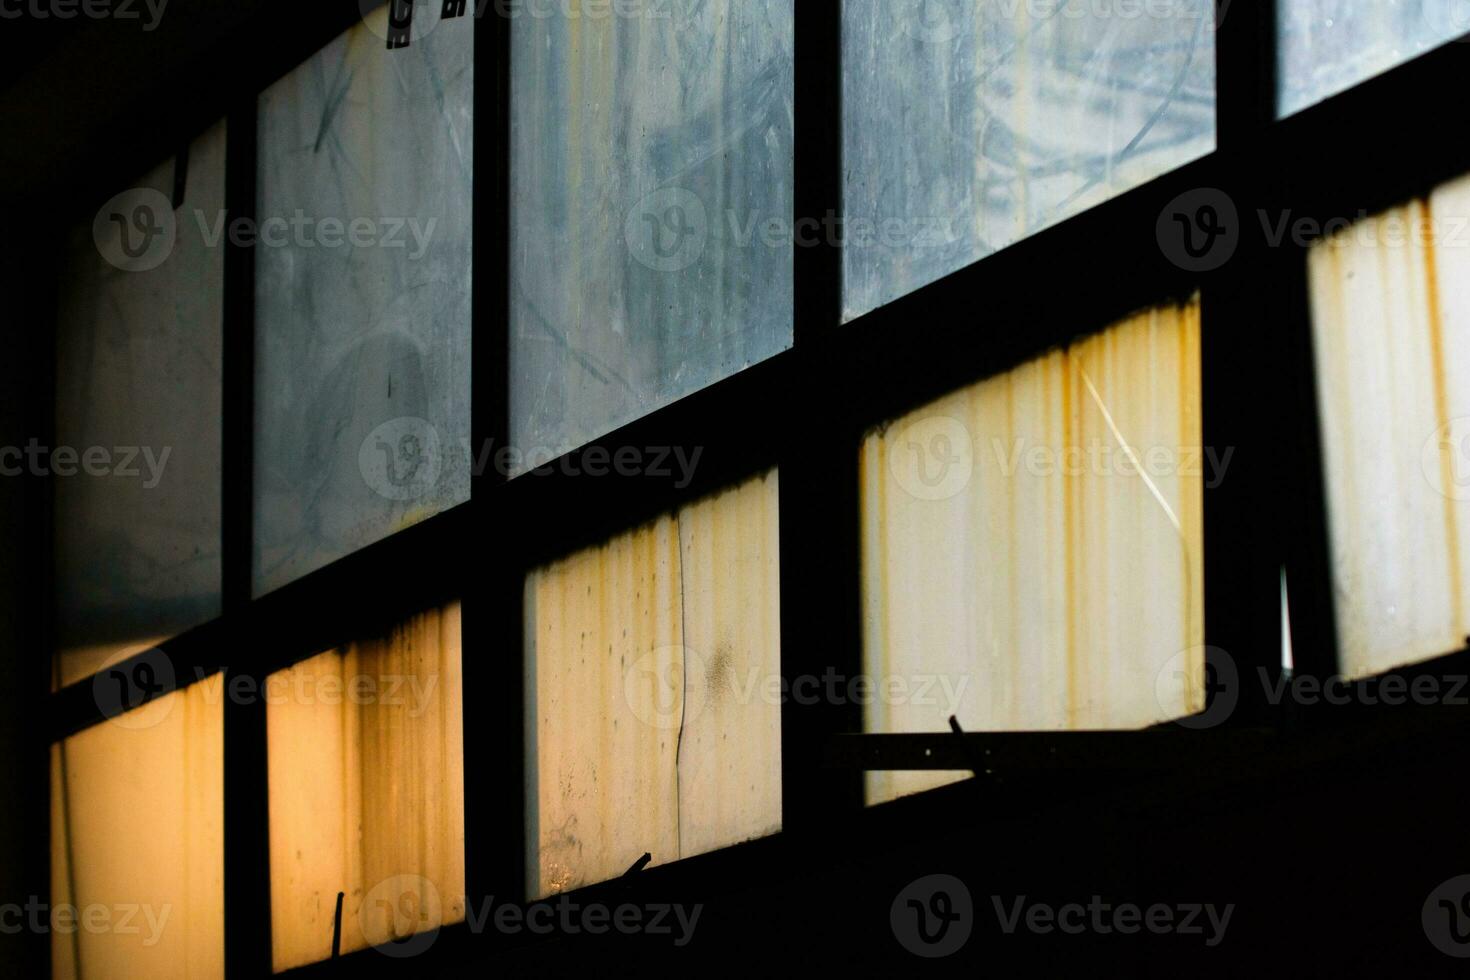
point(805, 411)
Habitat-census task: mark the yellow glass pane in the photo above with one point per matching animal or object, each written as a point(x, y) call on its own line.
point(1033, 546)
point(137, 843)
point(1391, 329)
point(367, 791)
point(655, 724)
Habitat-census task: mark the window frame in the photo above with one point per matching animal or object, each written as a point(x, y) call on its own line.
point(804, 411)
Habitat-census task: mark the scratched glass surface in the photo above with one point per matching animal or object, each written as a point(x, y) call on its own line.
point(651, 210)
point(969, 126)
point(138, 400)
point(1327, 46)
point(362, 295)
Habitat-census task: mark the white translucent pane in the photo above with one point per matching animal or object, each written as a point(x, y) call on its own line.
point(366, 752)
point(970, 125)
point(137, 843)
point(655, 725)
point(1391, 317)
point(362, 418)
point(651, 209)
point(138, 407)
point(1326, 46)
point(1033, 546)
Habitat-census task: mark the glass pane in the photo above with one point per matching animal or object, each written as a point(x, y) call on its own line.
point(651, 210)
point(1391, 315)
point(969, 126)
point(138, 418)
point(137, 842)
point(1033, 545)
point(367, 791)
point(1327, 46)
point(655, 726)
point(362, 295)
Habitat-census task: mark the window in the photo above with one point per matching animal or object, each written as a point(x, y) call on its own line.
point(362, 296)
point(1327, 46)
point(651, 660)
point(367, 791)
point(137, 831)
point(138, 409)
point(651, 217)
point(969, 126)
point(1391, 317)
point(1033, 545)
point(1012, 522)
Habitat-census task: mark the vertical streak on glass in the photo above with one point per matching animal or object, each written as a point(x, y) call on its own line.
point(651, 224)
point(1391, 329)
point(1033, 551)
point(653, 723)
point(367, 791)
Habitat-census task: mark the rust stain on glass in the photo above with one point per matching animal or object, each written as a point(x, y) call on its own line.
point(1033, 545)
point(367, 791)
point(653, 725)
point(1391, 327)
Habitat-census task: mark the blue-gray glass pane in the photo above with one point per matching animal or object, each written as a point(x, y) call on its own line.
point(1327, 46)
point(136, 456)
point(651, 209)
point(362, 417)
point(969, 125)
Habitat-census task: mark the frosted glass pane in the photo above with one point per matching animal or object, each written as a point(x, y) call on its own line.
point(367, 791)
point(1327, 46)
point(362, 295)
point(138, 410)
point(971, 125)
point(137, 843)
point(1391, 315)
point(651, 209)
point(655, 726)
point(1033, 546)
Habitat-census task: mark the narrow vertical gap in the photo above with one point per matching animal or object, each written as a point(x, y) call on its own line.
point(246, 780)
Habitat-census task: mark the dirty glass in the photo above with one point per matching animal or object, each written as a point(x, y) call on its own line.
point(362, 418)
point(651, 210)
point(969, 125)
point(1326, 46)
point(1032, 546)
point(1391, 327)
point(137, 830)
point(136, 461)
point(655, 726)
point(367, 791)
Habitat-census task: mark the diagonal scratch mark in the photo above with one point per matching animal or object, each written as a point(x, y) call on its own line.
point(1128, 449)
